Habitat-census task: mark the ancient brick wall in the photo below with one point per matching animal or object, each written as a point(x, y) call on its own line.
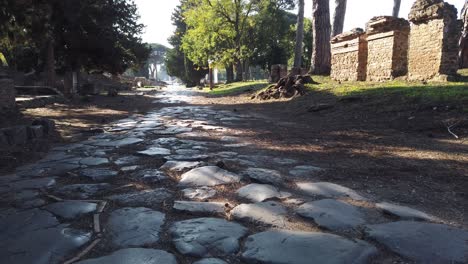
point(7, 95)
point(433, 42)
point(387, 48)
point(349, 56)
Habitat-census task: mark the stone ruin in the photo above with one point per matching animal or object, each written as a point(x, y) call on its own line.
point(433, 42)
point(426, 49)
point(387, 39)
point(349, 56)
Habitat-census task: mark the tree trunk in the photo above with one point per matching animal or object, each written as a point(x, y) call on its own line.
point(396, 8)
point(321, 53)
point(339, 17)
point(239, 73)
point(50, 63)
point(299, 36)
point(229, 73)
point(463, 55)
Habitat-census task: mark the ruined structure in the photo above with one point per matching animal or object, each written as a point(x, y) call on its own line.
point(387, 48)
point(349, 56)
point(433, 42)
point(7, 92)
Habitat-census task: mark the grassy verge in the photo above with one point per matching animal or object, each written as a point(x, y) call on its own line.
point(237, 88)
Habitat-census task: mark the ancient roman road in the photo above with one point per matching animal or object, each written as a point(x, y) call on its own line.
point(185, 184)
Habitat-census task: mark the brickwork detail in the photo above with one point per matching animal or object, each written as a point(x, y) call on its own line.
point(349, 56)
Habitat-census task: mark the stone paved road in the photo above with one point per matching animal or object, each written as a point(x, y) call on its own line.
point(186, 184)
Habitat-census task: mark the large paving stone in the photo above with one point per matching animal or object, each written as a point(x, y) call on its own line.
point(94, 161)
point(205, 237)
point(83, 191)
point(403, 212)
point(71, 209)
point(134, 256)
point(134, 227)
point(148, 198)
point(150, 175)
point(210, 261)
point(208, 176)
point(423, 242)
point(25, 221)
point(44, 246)
point(200, 157)
point(201, 193)
point(332, 214)
point(42, 183)
point(292, 247)
point(305, 171)
point(118, 143)
point(99, 174)
point(261, 192)
point(127, 160)
point(199, 207)
point(329, 190)
point(179, 166)
point(155, 151)
point(265, 176)
point(268, 213)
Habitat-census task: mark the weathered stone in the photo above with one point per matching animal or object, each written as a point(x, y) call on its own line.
point(423, 242)
point(7, 95)
point(200, 157)
point(155, 151)
point(293, 247)
point(403, 212)
point(261, 192)
point(35, 132)
point(201, 193)
point(265, 176)
point(349, 56)
point(305, 171)
point(118, 143)
point(44, 246)
point(148, 198)
point(99, 174)
point(42, 183)
point(208, 176)
point(268, 213)
point(179, 166)
point(128, 160)
point(134, 256)
point(133, 227)
point(204, 237)
point(83, 191)
point(332, 214)
point(24, 222)
point(200, 207)
point(71, 209)
point(210, 261)
point(150, 175)
point(93, 161)
point(329, 190)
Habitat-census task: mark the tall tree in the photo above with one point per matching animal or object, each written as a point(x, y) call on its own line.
point(299, 36)
point(339, 17)
point(463, 55)
point(321, 52)
point(396, 8)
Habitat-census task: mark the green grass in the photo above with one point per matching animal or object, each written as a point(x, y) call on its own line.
point(430, 92)
point(236, 88)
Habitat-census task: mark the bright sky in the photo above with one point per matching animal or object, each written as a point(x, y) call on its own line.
point(156, 14)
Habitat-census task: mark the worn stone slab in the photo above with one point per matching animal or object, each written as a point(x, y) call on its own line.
point(332, 214)
point(150, 175)
point(128, 160)
point(404, 213)
point(206, 237)
point(44, 246)
point(180, 166)
point(199, 207)
point(201, 193)
point(423, 242)
point(93, 161)
point(71, 209)
point(267, 213)
point(42, 183)
point(328, 190)
point(148, 198)
point(265, 176)
point(82, 191)
point(134, 227)
point(210, 261)
point(25, 221)
point(208, 176)
point(155, 151)
point(305, 171)
point(200, 157)
point(261, 192)
point(134, 256)
point(118, 143)
point(99, 174)
point(295, 247)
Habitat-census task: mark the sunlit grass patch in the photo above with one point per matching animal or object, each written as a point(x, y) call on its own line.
point(237, 87)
